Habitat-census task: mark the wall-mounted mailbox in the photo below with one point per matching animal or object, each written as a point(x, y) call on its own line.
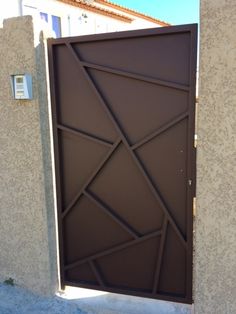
point(22, 86)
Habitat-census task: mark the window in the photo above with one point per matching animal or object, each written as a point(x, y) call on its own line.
point(56, 25)
point(53, 21)
point(44, 16)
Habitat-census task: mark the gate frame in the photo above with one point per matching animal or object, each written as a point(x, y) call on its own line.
point(191, 162)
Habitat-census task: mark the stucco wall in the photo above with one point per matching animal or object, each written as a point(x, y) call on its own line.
point(27, 228)
point(215, 259)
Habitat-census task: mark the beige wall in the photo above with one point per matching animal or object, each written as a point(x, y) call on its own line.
point(27, 228)
point(215, 260)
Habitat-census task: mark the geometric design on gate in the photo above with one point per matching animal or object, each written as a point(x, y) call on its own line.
point(139, 258)
point(123, 109)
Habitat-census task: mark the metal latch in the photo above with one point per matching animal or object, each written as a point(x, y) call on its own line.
point(194, 207)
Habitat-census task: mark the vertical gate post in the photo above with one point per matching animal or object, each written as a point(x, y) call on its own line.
point(27, 226)
point(215, 247)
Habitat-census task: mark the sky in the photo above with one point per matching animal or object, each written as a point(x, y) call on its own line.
point(172, 11)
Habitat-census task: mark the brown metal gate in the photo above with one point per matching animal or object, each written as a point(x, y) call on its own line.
point(123, 116)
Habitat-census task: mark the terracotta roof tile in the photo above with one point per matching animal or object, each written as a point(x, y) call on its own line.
point(93, 8)
point(133, 12)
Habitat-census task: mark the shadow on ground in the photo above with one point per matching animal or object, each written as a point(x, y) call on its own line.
point(16, 300)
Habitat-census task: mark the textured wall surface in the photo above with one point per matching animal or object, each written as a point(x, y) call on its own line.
point(27, 228)
point(215, 260)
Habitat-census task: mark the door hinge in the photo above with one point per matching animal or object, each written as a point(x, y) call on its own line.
point(194, 207)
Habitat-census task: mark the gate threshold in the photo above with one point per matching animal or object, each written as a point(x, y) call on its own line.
point(100, 302)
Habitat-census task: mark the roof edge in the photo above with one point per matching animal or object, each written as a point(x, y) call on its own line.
point(133, 12)
point(96, 9)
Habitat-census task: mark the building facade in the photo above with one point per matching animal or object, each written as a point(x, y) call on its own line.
point(72, 18)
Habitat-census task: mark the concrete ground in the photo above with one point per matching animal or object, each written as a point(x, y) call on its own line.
point(16, 300)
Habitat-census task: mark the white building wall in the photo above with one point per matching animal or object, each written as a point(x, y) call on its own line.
point(75, 21)
point(137, 23)
point(8, 9)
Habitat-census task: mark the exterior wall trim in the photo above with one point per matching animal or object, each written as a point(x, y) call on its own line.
point(98, 10)
point(133, 12)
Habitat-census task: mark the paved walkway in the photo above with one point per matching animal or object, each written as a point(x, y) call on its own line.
point(15, 300)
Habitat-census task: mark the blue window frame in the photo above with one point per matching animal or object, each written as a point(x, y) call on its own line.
point(56, 25)
point(44, 16)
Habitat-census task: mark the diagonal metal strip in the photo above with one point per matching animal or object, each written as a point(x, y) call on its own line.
point(160, 256)
point(90, 179)
point(112, 214)
point(114, 249)
point(160, 130)
point(85, 135)
point(97, 273)
point(132, 153)
point(135, 76)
